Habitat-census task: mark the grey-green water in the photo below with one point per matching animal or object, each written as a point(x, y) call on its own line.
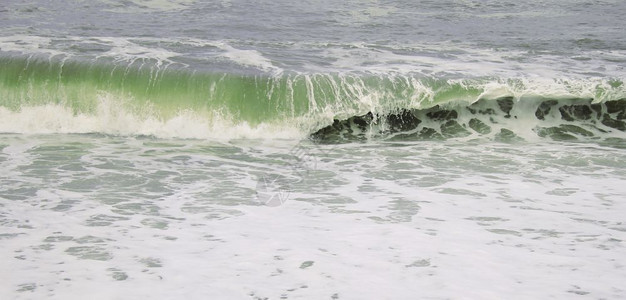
point(197, 149)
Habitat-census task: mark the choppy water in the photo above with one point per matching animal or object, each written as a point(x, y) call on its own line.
point(280, 150)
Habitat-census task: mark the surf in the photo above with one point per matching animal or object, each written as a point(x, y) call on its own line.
point(143, 97)
point(503, 119)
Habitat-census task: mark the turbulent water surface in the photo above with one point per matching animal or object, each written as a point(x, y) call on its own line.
point(282, 150)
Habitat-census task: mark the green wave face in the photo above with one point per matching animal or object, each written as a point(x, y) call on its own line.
point(251, 98)
point(307, 102)
point(78, 85)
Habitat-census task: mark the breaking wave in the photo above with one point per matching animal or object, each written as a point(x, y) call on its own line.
point(72, 96)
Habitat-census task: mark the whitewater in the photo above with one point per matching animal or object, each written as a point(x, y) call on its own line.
point(281, 150)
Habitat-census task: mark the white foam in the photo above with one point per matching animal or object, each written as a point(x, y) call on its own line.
point(124, 49)
point(28, 44)
point(113, 117)
point(447, 58)
point(248, 57)
point(440, 220)
point(131, 50)
point(441, 59)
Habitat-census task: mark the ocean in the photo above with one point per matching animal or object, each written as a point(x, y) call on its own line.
point(359, 149)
